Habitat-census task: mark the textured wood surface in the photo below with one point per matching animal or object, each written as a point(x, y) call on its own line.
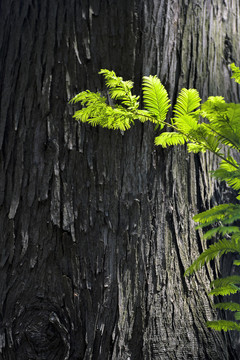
point(95, 225)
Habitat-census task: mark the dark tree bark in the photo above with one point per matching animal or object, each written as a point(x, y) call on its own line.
point(96, 228)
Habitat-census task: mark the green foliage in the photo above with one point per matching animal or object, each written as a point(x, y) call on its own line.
point(224, 325)
point(120, 90)
point(236, 73)
point(170, 138)
point(229, 173)
point(225, 286)
point(96, 111)
point(125, 108)
point(219, 248)
point(223, 120)
point(237, 315)
point(233, 279)
point(155, 98)
point(225, 290)
point(232, 306)
point(226, 213)
point(221, 230)
point(212, 126)
point(184, 120)
point(187, 103)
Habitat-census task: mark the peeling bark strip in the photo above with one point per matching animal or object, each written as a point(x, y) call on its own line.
point(96, 226)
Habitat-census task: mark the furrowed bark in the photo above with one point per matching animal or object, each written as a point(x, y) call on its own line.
point(96, 226)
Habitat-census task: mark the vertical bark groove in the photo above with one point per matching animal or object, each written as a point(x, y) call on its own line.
point(95, 225)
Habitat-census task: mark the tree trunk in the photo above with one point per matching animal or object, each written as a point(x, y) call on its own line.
point(96, 226)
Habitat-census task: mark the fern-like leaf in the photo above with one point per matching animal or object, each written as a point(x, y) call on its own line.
point(187, 125)
point(237, 315)
point(214, 108)
point(223, 120)
point(225, 290)
point(228, 280)
point(219, 248)
point(97, 112)
point(222, 230)
point(88, 98)
point(143, 115)
point(231, 177)
point(187, 102)
point(170, 138)
point(224, 325)
point(232, 306)
point(155, 98)
point(120, 90)
point(226, 213)
point(227, 129)
point(236, 73)
point(196, 148)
